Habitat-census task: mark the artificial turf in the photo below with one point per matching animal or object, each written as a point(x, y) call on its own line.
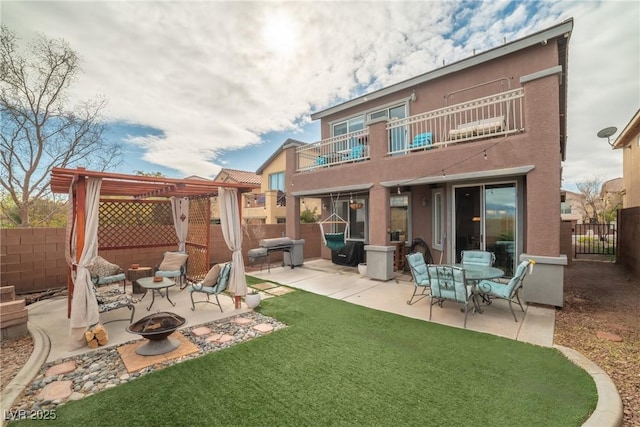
point(341, 364)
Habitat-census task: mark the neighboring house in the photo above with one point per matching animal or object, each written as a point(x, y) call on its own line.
point(467, 156)
point(238, 177)
point(629, 142)
point(269, 207)
point(611, 198)
point(572, 207)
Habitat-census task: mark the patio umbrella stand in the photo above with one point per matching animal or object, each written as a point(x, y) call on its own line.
point(156, 328)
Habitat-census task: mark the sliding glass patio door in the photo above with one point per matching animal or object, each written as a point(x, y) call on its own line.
point(485, 218)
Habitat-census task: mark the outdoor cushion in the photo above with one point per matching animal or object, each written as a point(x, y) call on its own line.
point(101, 267)
point(173, 261)
point(478, 257)
point(212, 276)
point(219, 286)
point(421, 140)
point(105, 280)
point(416, 260)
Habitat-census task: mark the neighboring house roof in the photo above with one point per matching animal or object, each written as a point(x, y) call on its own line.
point(234, 175)
point(284, 145)
point(196, 177)
point(612, 186)
point(563, 29)
point(629, 133)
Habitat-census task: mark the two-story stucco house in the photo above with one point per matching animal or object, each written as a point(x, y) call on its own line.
point(467, 156)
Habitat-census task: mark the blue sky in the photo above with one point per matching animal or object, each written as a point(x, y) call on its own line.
point(196, 86)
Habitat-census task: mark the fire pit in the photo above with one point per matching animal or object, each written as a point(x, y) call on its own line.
point(156, 328)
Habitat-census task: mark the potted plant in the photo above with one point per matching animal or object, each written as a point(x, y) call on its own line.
point(252, 299)
point(362, 269)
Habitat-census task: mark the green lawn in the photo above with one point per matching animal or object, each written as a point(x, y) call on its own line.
point(342, 364)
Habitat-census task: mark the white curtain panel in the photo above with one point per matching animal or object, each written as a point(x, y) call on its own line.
point(230, 222)
point(180, 212)
point(84, 307)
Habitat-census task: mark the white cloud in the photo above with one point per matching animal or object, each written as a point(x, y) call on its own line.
point(204, 74)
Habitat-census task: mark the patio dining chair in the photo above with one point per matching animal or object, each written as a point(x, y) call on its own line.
point(489, 289)
point(418, 269)
point(478, 257)
point(173, 266)
point(449, 283)
point(214, 283)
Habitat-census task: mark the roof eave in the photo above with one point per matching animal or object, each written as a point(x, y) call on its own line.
point(559, 30)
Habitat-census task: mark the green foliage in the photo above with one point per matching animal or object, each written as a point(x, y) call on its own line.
point(309, 216)
point(42, 213)
point(341, 364)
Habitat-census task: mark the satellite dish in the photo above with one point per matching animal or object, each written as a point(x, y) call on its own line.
point(607, 133)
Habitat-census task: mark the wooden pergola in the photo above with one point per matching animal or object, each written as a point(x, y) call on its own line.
point(127, 190)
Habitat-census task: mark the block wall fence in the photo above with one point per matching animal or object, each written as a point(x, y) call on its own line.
point(32, 259)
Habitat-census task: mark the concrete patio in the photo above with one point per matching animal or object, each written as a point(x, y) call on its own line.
point(322, 277)
point(318, 276)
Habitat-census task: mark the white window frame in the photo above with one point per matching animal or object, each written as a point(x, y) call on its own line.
point(437, 218)
point(347, 121)
point(273, 175)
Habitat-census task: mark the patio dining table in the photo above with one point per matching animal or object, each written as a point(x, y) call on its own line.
point(474, 273)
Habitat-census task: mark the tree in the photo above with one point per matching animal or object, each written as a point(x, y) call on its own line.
point(590, 190)
point(40, 130)
point(309, 216)
point(599, 204)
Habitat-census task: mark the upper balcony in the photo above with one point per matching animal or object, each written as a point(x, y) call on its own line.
point(493, 116)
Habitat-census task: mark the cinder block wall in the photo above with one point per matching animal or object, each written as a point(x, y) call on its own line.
point(33, 259)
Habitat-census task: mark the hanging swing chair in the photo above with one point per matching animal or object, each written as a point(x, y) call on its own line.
point(334, 241)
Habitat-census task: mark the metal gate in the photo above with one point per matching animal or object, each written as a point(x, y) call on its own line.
point(599, 239)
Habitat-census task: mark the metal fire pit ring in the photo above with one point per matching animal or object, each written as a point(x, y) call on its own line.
point(156, 328)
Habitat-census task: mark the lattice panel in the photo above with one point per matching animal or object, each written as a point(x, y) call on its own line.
point(130, 224)
point(199, 220)
point(198, 239)
point(198, 264)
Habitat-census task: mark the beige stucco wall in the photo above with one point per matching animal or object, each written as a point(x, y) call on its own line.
point(631, 173)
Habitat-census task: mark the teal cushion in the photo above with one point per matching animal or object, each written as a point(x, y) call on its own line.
point(418, 268)
point(220, 286)
point(477, 257)
point(447, 282)
point(105, 280)
point(496, 289)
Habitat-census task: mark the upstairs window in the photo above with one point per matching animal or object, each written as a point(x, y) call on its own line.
point(352, 125)
point(395, 112)
point(276, 181)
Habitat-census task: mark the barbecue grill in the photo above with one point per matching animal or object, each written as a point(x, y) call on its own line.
point(277, 244)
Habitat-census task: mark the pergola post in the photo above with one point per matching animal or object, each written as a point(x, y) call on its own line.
point(80, 219)
point(237, 299)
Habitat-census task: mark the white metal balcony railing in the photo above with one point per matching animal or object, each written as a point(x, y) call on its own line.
point(491, 116)
point(351, 147)
point(488, 117)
